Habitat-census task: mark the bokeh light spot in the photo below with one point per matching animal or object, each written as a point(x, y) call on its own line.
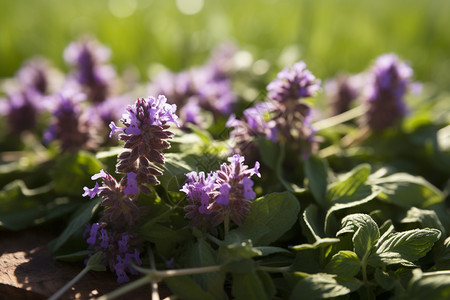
point(122, 8)
point(190, 7)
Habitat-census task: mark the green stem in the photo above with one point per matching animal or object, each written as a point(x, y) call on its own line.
point(155, 276)
point(68, 285)
point(339, 119)
point(126, 288)
point(274, 269)
point(155, 293)
point(226, 223)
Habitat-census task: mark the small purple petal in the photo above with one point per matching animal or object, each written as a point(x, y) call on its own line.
point(102, 174)
point(123, 243)
point(248, 191)
point(91, 192)
point(93, 234)
point(114, 129)
point(131, 188)
point(223, 198)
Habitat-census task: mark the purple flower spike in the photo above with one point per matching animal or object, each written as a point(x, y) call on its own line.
point(88, 57)
point(293, 84)
point(389, 82)
point(145, 138)
point(70, 126)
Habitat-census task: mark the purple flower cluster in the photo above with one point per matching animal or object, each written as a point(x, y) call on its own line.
point(341, 92)
point(70, 126)
point(26, 98)
point(283, 117)
point(114, 234)
point(390, 79)
point(255, 123)
point(204, 88)
point(221, 195)
point(145, 138)
point(293, 83)
point(118, 252)
point(88, 57)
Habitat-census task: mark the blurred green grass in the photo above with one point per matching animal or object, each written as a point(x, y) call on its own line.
point(330, 35)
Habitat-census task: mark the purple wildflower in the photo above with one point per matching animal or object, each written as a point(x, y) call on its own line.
point(22, 110)
point(119, 251)
point(70, 126)
point(199, 189)
point(341, 92)
point(88, 57)
point(115, 233)
point(203, 87)
point(255, 123)
point(38, 74)
point(293, 84)
point(225, 193)
point(292, 115)
point(145, 138)
point(390, 80)
point(118, 204)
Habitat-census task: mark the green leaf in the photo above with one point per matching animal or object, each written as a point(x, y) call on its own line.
point(366, 232)
point(322, 285)
point(425, 217)
point(320, 243)
point(429, 285)
point(94, 262)
point(270, 217)
point(73, 171)
point(365, 238)
point(344, 263)
point(350, 192)
point(405, 190)
point(78, 220)
point(383, 278)
point(248, 286)
point(22, 207)
point(240, 250)
point(312, 221)
point(272, 155)
point(243, 265)
point(443, 260)
point(200, 254)
point(186, 288)
point(175, 168)
point(351, 223)
point(268, 284)
point(268, 250)
point(348, 189)
point(365, 193)
point(404, 247)
point(316, 170)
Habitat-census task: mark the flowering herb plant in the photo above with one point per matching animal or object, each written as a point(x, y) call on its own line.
point(203, 194)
